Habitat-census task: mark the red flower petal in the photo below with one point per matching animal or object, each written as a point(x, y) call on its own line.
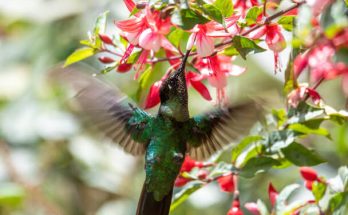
point(106, 60)
point(226, 183)
point(272, 194)
point(309, 174)
point(153, 97)
point(106, 39)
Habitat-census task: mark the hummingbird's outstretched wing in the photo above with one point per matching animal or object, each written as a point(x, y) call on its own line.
point(214, 130)
point(104, 108)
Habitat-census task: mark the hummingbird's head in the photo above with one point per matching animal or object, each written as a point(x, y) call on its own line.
point(173, 94)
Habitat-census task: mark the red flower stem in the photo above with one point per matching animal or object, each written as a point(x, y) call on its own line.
point(110, 52)
point(229, 42)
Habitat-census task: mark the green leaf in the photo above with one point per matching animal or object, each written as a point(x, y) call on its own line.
point(337, 201)
point(257, 165)
point(231, 51)
point(279, 116)
point(318, 190)
point(301, 156)
point(213, 13)
point(79, 54)
point(252, 15)
point(225, 6)
point(283, 196)
point(302, 129)
point(245, 46)
point(181, 196)
point(175, 36)
point(145, 81)
point(303, 113)
point(287, 22)
point(277, 140)
point(236, 151)
point(187, 18)
point(133, 57)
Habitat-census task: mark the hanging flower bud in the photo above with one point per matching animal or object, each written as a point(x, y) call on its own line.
point(153, 97)
point(106, 39)
point(272, 194)
point(106, 60)
point(125, 67)
point(309, 174)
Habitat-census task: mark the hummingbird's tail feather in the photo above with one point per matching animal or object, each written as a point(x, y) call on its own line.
point(147, 204)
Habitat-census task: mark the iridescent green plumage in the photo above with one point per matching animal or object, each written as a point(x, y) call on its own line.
point(165, 139)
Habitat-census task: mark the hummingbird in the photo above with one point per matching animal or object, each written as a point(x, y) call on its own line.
point(164, 139)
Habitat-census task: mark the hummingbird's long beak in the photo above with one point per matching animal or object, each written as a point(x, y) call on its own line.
point(181, 69)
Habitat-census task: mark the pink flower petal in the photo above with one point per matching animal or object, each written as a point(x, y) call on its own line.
point(205, 45)
point(150, 40)
point(129, 4)
point(132, 25)
point(191, 41)
point(236, 70)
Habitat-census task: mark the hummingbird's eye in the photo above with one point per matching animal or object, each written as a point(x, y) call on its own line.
point(178, 157)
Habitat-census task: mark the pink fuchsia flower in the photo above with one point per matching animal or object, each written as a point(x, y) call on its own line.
point(153, 97)
point(203, 35)
point(216, 69)
point(320, 62)
point(274, 40)
point(146, 29)
point(301, 93)
point(272, 194)
point(227, 183)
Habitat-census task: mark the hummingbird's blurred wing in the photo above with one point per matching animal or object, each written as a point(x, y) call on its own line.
point(214, 130)
point(104, 108)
